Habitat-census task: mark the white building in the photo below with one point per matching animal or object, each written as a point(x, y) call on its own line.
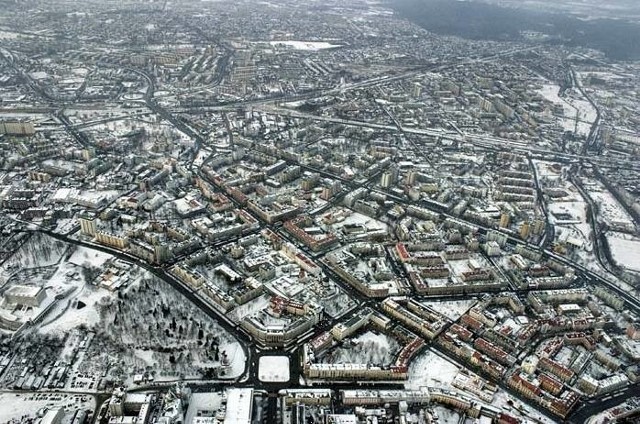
point(239, 406)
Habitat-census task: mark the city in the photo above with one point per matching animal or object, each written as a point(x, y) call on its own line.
point(315, 212)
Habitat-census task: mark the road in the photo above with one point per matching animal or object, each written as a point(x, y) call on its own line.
point(548, 236)
point(591, 142)
point(593, 218)
point(602, 402)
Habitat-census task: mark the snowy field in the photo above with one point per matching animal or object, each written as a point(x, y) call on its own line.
point(452, 309)
point(547, 170)
point(80, 309)
point(573, 106)
point(273, 369)
point(610, 209)
point(551, 93)
point(625, 250)
point(81, 301)
point(431, 369)
point(84, 257)
point(211, 401)
point(306, 45)
point(576, 210)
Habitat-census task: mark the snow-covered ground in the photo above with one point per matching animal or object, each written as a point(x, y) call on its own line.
point(80, 302)
point(136, 324)
point(69, 313)
point(625, 250)
point(366, 348)
point(306, 45)
point(211, 401)
point(237, 358)
point(273, 369)
point(452, 309)
point(431, 369)
point(6, 35)
point(576, 209)
point(573, 106)
point(547, 171)
point(202, 156)
point(84, 256)
point(182, 340)
point(611, 211)
point(551, 93)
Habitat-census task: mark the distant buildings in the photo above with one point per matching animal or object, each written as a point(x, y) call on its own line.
point(17, 128)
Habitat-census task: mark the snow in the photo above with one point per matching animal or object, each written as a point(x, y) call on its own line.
point(551, 93)
point(202, 156)
point(452, 309)
point(586, 112)
point(84, 257)
point(576, 227)
point(146, 356)
point(67, 316)
point(356, 218)
point(305, 45)
point(70, 345)
point(211, 401)
point(572, 107)
point(250, 308)
point(446, 415)
point(238, 358)
point(273, 369)
point(6, 35)
point(504, 401)
point(610, 209)
point(430, 369)
point(68, 282)
point(367, 348)
point(577, 210)
point(625, 250)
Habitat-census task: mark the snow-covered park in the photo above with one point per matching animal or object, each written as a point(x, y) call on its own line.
point(273, 369)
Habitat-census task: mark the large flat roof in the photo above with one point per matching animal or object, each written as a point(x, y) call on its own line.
point(239, 406)
point(19, 290)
